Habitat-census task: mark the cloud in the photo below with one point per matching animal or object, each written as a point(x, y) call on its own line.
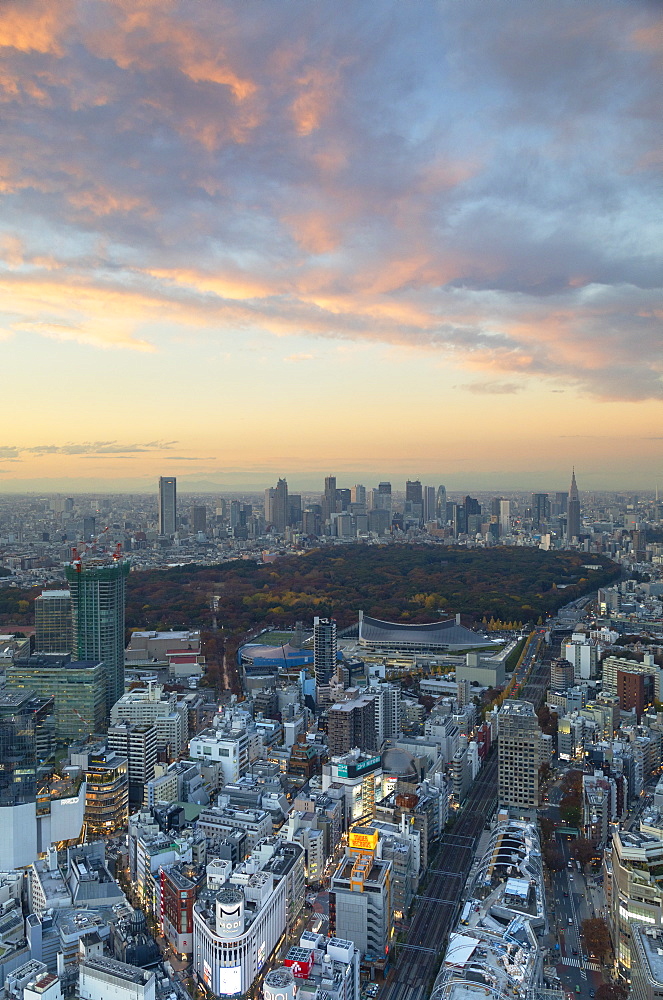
point(388, 174)
point(85, 448)
point(300, 357)
point(493, 388)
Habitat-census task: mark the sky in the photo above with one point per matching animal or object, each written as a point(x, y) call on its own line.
point(244, 240)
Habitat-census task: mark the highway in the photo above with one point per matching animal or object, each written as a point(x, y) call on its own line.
point(438, 904)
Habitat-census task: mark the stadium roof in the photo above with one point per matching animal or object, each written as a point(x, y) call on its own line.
point(440, 635)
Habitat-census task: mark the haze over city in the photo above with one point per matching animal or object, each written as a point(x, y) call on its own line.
point(383, 240)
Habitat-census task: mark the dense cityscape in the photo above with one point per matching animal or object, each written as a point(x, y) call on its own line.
point(451, 808)
point(331, 500)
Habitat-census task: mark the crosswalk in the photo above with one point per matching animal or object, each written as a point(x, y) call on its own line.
point(576, 963)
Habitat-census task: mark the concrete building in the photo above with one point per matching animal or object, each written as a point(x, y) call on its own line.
point(138, 743)
point(107, 794)
point(360, 902)
point(646, 962)
point(228, 746)
point(613, 664)
point(151, 705)
point(358, 777)
point(582, 653)
point(106, 979)
point(352, 724)
point(180, 885)
point(53, 625)
point(485, 671)
point(519, 755)
point(635, 892)
point(317, 966)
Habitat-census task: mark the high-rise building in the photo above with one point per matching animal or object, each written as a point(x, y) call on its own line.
point(352, 724)
point(360, 902)
point(18, 792)
point(328, 499)
point(138, 743)
point(324, 649)
point(98, 590)
point(53, 632)
point(573, 510)
point(518, 755)
point(78, 689)
point(279, 503)
point(505, 517)
point(442, 504)
point(540, 509)
point(430, 503)
point(358, 494)
point(151, 705)
point(167, 505)
point(199, 519)
point(414, 491)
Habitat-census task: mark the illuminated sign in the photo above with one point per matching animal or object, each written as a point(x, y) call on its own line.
point(300, 969)
point(352, 770)
point(207, 973)
point(364, 840)
point(230, 981)
point(261, 955)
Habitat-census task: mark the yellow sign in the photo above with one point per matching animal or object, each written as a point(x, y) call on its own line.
point(364, 840)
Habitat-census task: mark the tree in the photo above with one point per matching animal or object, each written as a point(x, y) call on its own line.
point(583, 850)
point(596, 936)
point(570, 810)
point(611, 991)
point(553, 857)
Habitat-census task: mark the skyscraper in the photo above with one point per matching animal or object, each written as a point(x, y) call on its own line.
point(442, 504)
point(199, 519)
point(414, 491)
point(167, 505)
point(430, 503)
point(328, 500)
point(324, 649)
point(53, 622)
point(573, 510)
point(280, 507)
point(18, 792)
point(98, 590)
point(540, 509)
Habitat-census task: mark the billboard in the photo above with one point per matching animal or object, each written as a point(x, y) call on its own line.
point(230, 981)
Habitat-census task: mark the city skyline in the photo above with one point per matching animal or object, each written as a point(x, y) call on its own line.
point(387, 242)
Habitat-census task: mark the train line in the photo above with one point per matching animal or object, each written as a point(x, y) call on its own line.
point(438, 903)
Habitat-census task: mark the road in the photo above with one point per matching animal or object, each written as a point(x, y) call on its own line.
point(572, 903)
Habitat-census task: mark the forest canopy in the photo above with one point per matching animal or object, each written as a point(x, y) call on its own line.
point(403, 583)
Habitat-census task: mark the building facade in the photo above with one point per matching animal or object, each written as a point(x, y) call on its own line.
point(518, 755)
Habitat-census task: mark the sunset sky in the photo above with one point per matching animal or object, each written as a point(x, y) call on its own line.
point(299, 237)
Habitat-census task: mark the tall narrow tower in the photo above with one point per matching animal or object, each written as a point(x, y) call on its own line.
point(324, 649)
point(98, 590)
point(573, 510)
point(167, 505)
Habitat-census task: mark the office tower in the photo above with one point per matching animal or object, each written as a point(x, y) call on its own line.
point(280, 507)
point(138, 743)
point(18, 792)
point(53, 622)
point(167, 505)
point(387, 713)
point(442, 504)
point(559, 504)
point(152, 705)
point(540, 509)
point(324, 649)
point(518, 755)
point(343, 499)
point(98, 591)
point(352, 724)
point(505, 517)
point(78, 690)
point(199, 519)
point(358, 494)
point(294, 509)
point(573, 510)
point(311, 519)
point(328, 499)
point(430, 503)
point(89, 528)
point(414, 491)
point(472, 507)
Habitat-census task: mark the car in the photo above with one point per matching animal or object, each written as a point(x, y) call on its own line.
point(575, 951)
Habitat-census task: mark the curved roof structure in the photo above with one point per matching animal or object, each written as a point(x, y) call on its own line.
point(427, 638)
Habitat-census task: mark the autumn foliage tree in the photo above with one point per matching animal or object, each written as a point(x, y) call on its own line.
point(596, 935)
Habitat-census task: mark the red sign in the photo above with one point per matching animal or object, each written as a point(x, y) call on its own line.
point(300, 969)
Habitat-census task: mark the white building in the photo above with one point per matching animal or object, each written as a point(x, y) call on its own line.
point(152, 705)
point(106, 979)
point(230, 748)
